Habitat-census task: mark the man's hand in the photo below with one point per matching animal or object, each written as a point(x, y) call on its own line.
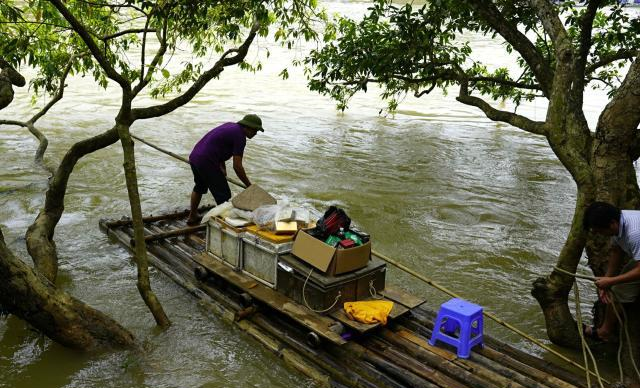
point(603, 284)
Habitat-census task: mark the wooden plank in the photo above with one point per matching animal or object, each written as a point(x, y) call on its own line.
point(309, 319)
point(362, 328)
point(171, 233)
point(161, 217)
point(425, 345)
point(399, 296)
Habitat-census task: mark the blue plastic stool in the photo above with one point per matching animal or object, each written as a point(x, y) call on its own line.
point(454, 314)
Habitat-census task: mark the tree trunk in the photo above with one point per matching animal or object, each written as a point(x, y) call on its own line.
point(552, 292)
point(140, 249)
point(617, 183)
point(8, 77)
point(39, 236)
point(61, 317)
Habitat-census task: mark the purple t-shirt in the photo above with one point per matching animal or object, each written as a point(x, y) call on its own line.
point(218, 146)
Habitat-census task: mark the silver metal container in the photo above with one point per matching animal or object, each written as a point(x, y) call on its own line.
point(260, 258)
point(224, 243)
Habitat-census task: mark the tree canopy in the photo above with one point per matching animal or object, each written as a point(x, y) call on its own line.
point(415, 49)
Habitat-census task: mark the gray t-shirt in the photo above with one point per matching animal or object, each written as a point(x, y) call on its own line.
point(628, 237)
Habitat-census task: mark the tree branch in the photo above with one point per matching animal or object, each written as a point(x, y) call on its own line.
point(91, 44)
point(126, 32)
point(585, 40)
point(551, 22)
point(59, 94)
point(144, 80)
point(622, 113)
point(446, 76)
point(13, 122)
point(514, 119)
point(218, 67)
point(488, 12)
point(606, 60)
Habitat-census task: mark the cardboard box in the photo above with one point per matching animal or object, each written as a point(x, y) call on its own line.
point(328, 259)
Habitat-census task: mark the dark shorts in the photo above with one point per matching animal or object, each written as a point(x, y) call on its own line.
point(211, 179)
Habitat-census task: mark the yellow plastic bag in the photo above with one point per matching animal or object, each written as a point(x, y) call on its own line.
point(369, 311)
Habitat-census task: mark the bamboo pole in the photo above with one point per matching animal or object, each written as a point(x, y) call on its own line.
point(486, 313)
point(235, 182)
point(420, 369)
point(425, 317)
point(152, 218)
point(446, 365)
point(479, 360)
point(172, 233)
point(499, 361)
point(339, 373)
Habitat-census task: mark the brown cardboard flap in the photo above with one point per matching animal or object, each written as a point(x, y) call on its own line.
point(312, 251)
point(352, 258)
point(252, 198)
point(328, 259)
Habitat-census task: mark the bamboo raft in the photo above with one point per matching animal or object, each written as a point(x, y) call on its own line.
point(394, 356)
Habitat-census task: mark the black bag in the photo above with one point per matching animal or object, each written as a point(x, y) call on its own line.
point(331, 222)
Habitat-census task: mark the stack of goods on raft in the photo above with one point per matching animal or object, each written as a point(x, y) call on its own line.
point(319, 260)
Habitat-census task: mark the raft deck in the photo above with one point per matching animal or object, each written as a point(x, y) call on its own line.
point(394, 356)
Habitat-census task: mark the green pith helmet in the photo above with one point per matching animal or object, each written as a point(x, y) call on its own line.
point(252, 121)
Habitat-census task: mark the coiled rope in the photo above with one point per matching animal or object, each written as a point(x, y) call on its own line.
point(424, 279)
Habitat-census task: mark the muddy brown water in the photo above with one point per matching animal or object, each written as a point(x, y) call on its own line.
point(477, 206)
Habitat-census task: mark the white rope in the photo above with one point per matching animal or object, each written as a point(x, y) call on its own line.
point(622, 321)
point(585, 347)
point(373, 292)
point(304, 286)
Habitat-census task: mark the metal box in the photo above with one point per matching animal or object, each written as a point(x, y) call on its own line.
point(260, 257)
point(323, 293)
point(223, 241)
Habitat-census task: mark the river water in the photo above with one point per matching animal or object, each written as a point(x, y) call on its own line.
point(480, 207)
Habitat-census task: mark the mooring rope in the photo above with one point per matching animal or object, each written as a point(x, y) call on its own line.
point(621, 320)
point(583, 342)
point(426, 280)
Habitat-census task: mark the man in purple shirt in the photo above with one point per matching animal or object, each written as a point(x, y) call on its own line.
point(209, 156)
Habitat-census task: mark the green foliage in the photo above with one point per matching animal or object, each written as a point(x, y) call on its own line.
point(414, 49)
point(35, 34)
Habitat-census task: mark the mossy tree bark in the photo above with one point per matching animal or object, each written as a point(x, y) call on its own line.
point(140, 249)
point(8, 78)
point(39, 236)
point(63, 318)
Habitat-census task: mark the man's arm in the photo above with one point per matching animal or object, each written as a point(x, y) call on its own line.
point(239, 169)
point(613, 265)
